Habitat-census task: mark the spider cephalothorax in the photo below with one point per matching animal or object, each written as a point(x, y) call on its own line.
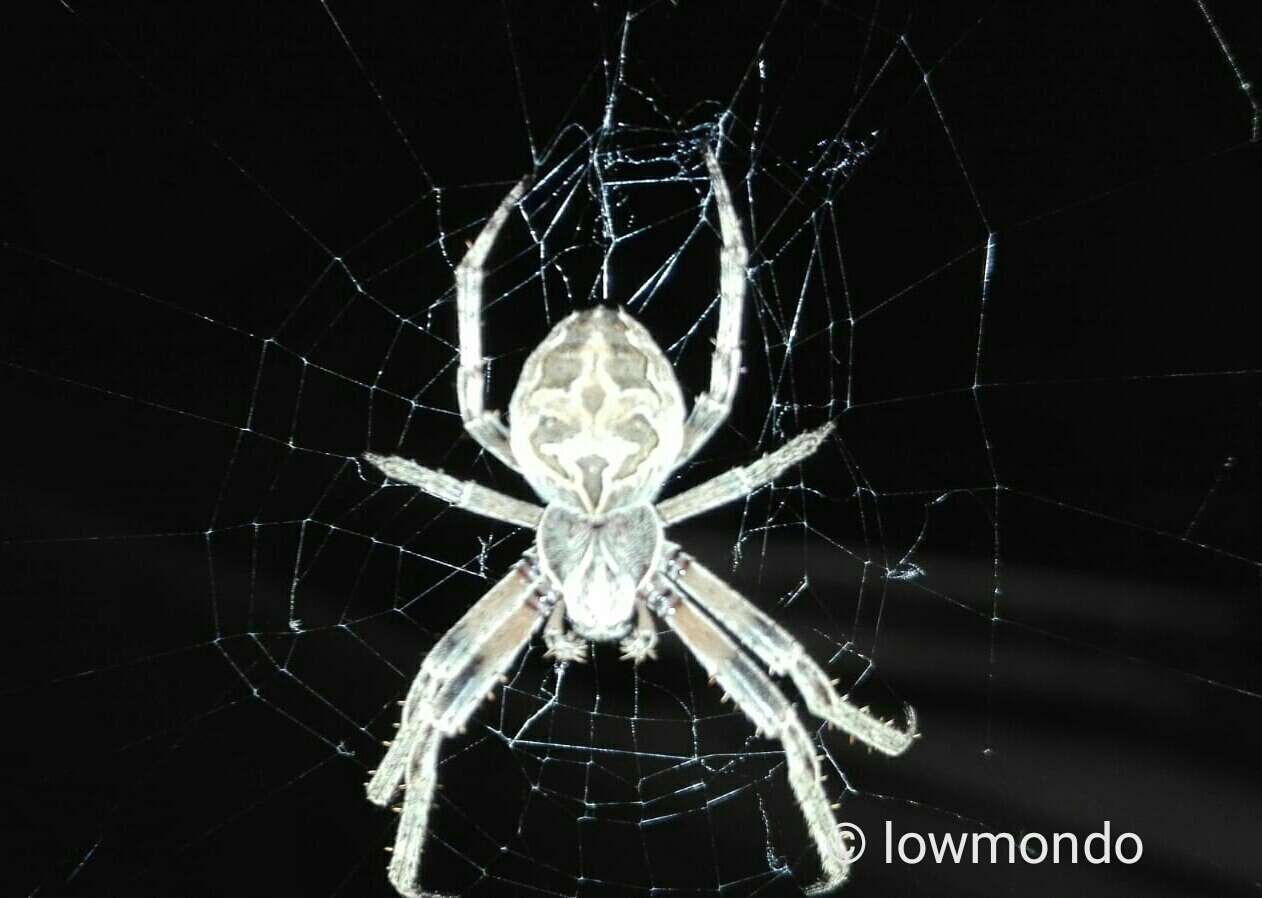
point(597, 425)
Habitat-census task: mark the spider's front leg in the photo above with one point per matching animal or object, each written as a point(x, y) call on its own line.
point(462, 667)
point(772, 714)
point(784, 656)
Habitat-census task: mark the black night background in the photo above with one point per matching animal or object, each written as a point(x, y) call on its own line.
point(225, 263)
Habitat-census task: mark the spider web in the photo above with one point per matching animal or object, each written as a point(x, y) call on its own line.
point(1004, 249)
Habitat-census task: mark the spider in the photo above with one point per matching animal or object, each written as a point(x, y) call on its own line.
point(597, 424)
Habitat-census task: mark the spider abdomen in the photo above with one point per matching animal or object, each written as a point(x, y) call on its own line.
point(598, 565)
point(597, 417)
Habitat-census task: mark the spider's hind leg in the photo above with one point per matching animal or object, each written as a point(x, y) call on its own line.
point(713, 406)
point(483, 424)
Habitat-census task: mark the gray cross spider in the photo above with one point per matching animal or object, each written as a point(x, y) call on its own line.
point(597, 424)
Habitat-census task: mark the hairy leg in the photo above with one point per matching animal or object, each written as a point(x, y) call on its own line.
point(741, 481)
point(485, 425)
point(461, 493)
point(457, 674)
point(712, 407)
point(766, 706)
point(784, 656)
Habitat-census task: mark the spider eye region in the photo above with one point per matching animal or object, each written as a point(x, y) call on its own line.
point(597, 416)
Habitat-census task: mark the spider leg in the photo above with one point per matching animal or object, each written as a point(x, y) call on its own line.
point(453, 653)
point(461, 493)
point(458, 673)
point(766, 706)
point(713, 406)
point(741, 481)
point(483, 424)
point(784, 655)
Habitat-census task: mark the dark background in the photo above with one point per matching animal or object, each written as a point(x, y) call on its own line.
point(227, 246)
